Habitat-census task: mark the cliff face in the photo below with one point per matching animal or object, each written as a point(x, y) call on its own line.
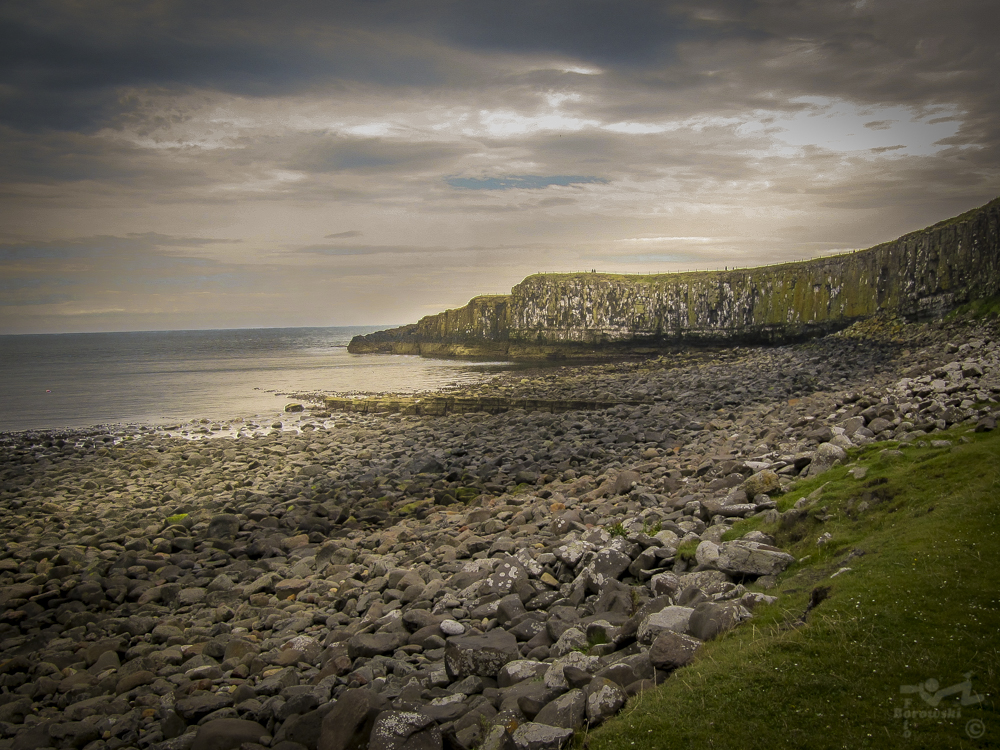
point(920, 275)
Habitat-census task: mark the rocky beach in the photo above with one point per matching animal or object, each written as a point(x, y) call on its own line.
point(401, 580)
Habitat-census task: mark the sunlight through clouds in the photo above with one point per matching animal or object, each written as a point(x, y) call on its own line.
point(468, 145)
point(842, 126)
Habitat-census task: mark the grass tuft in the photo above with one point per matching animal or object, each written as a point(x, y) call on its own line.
point(904, 590)
point(988, 307)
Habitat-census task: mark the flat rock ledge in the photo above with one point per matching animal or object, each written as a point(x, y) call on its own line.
point(439, 406)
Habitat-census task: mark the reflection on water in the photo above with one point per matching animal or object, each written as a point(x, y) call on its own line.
point(73, 380)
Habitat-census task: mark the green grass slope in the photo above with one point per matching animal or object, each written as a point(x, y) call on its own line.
point(826, 666)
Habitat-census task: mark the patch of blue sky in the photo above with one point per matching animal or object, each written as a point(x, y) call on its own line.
point(520, 182)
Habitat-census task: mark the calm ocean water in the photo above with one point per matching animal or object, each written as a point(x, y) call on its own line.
point(82, 379)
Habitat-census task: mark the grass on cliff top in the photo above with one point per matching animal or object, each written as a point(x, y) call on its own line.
point(920, 602)
point(963, 216)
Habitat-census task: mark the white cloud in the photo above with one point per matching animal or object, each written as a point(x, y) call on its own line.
point(790, 135)
point(843, 126)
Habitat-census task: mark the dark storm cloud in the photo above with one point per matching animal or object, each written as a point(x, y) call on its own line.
point(466, 143)
point(625, 32)
point(64, 64)
point(63, 156)
point(917, 54)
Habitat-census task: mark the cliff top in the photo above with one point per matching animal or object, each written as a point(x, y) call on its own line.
point(640, 278)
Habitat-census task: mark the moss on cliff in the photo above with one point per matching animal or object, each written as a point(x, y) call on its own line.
point(921, 275)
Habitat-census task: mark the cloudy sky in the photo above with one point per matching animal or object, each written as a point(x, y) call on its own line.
point(244, 163)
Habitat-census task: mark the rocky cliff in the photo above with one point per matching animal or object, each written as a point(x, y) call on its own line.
point(918, 276)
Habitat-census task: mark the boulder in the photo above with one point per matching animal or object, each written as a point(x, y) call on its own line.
point(607, 566)
point(567, 711)
point(706, 554)
point(227, 734)
point(481, 655)
point(404, 730)
point(223, 526)
point(673, 618)
point(374, 644)
point(671, 650)
point(604, 699)
point(348, 725)
point(745, 559)
point(763, 482)
point(537, 736)
point(711, 618)
point(520, 670)
point(825, 457)
point(507, 576)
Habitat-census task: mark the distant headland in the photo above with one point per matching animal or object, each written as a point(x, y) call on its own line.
point(919, 276)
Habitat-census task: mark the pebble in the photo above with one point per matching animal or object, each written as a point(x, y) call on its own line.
point(506, 580)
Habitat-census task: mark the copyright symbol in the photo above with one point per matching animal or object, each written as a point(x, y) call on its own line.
point(975, 729)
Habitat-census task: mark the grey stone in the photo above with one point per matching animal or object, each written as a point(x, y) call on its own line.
point(567, 711)
point(763, 482)
point(198, 705)
point(825, 457)
point(709, 619)
point(604, 699)
point(751, 559)
point(227, 734)
point(673, 618)
point(671, 650)
point(481, 655)
point(404, 730)
point(570, 640)
point(348, 725)
point(539, 736)
point(507, 576)
point(519, 670)
point(223, 526)
point(374, 644)
point(607, 565)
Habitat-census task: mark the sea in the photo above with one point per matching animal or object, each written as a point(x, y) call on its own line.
point(55, 381)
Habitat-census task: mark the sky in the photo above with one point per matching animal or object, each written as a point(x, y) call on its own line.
point(178, 164)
